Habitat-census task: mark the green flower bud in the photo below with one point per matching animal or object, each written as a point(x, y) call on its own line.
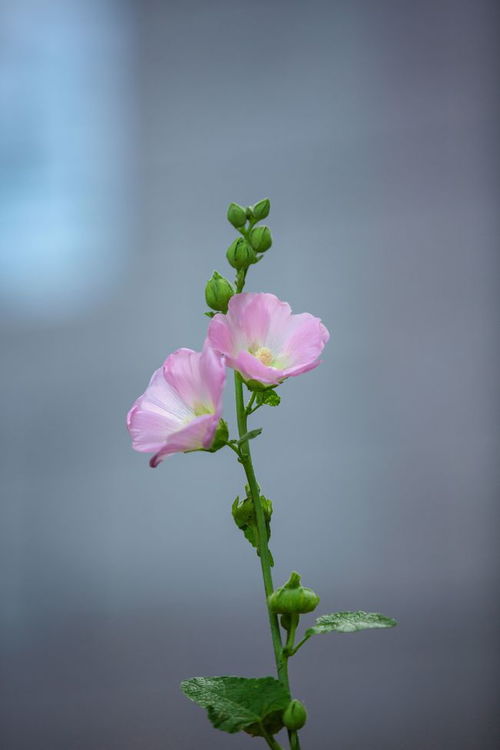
point(236, 215)
point(240, 254)
point(261, 209)
point(260, 239)
point(292, 598)
point(295, 715)
point(218, 292)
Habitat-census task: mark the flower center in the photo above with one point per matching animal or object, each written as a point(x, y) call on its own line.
point(265, 355)
point(200, 409)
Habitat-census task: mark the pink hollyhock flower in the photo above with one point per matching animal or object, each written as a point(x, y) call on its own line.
point(261, 338)
point(181, 407)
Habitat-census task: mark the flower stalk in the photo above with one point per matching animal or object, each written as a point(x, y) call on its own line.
point(263, 548)
point(281, 655)
point(180, 411)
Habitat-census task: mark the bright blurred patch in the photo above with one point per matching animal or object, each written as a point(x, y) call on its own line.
point(64, 154)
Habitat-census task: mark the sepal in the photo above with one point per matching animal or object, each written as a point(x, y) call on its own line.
point(269, 397)
point(221, 436)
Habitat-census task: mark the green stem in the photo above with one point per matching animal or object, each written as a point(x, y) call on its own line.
point(272, 742)
point(263, 549)
point(249, 409)
point(245, 458)
point(288, 651)
point(301, 643)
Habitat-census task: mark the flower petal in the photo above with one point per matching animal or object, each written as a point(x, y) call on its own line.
point(262, 321)
point(156, 414)
point(306, 340)
point(252, 369)
point(181, 406)
point(213, 375)
point(196, 435)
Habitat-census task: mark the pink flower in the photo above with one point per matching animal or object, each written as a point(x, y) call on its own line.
point(181, 407)
point(261, 338)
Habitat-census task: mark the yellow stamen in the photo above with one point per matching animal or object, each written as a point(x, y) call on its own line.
point(265, 355)
point(200, 409)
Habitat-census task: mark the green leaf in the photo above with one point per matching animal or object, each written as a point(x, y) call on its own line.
point(349, 622)
point(238, 703)
point(268, 397)
point(250, 435)
point(209, 314)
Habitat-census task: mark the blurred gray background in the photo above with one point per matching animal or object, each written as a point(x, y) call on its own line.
point(126, 128)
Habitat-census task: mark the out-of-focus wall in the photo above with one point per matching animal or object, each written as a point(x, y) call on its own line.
point(125, 130)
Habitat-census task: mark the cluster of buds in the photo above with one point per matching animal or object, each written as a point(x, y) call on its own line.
point(243, 252)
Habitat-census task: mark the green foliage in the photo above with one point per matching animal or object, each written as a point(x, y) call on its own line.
point(240, 254)
point(233, 704)
point(295, 715)
point(249, 435)
point(236, 215)
point(269, 397)
point(244, 518)
point(260, 239)
point(292, 598)
point(350, 622)
point(221, 436)
point(218, 292)
point(261, 209)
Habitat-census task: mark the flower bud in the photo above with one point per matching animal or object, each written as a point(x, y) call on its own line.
point(236, 215)
point(261, 209)
point(295, 715)
point(292, 598)
point(260, 239)
point(218, 292)
point(240, 254)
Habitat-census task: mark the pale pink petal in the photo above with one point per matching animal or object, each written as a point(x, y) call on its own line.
point(299, 369)
point(213, 375)
point(196, 435)
point(182, 372)
point(306, 340)
point(254, 315)
point(156, 414)
point(181, 406)
point(252, 369)
point(220, 335)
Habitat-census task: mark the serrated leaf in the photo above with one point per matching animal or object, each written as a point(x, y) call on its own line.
point(250, 435)
point(349, 622)
point(238, 703)
point(268, 397)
